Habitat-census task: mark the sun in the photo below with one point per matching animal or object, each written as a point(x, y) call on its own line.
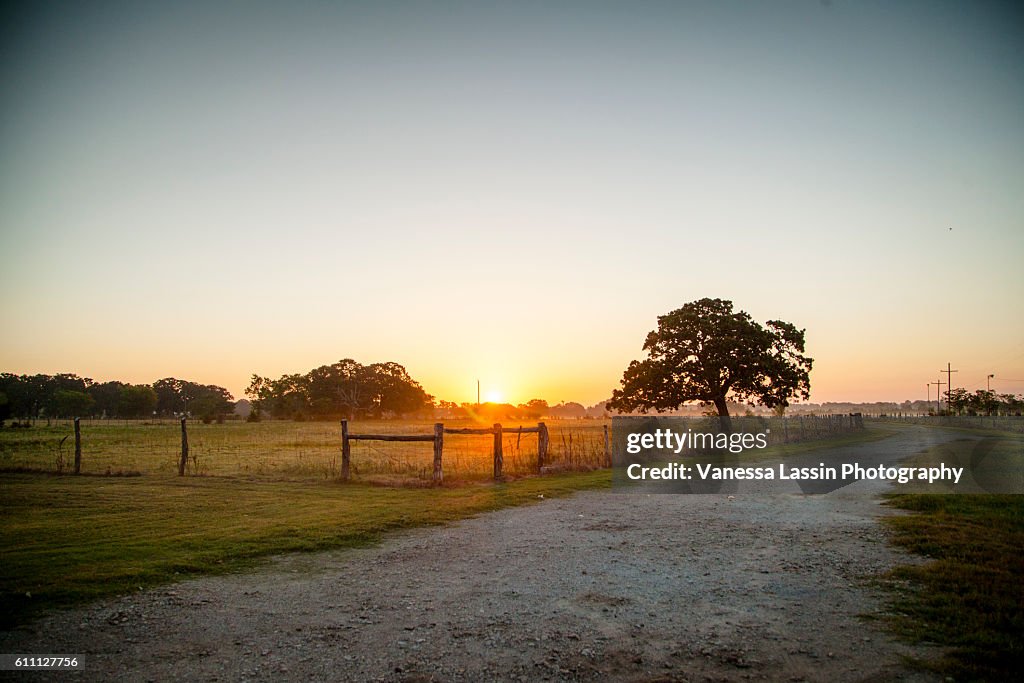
point(494, 396)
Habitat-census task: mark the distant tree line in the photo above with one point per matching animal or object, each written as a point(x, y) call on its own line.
point(983, 402)
point(348, 389)
point(30, 397)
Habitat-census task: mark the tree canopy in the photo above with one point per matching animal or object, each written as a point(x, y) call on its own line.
point(983, 402)
point(180, 397)
point(67, 395)
point(705, 352)
point(346, 389)
point(137, 400)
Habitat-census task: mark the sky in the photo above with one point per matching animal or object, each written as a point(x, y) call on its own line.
point(510, 191)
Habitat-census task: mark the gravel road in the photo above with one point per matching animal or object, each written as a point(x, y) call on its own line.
point(598, 586)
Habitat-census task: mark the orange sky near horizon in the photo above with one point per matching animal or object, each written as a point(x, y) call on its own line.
point(557, 368)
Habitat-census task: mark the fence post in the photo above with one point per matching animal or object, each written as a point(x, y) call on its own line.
point(438, 448)
point(607, 450)
point(184, 449)
point(498, 456)
point(346, 451)
point(78, 446)
point(542, 445)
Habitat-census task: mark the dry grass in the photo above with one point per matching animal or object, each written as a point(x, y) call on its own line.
point(312, 450)
point(294, 450)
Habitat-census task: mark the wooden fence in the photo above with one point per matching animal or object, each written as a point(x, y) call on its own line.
point(778, 429)
point(498, 432)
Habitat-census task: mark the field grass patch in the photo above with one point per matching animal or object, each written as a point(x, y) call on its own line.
point(70, 539)
point(970, 596)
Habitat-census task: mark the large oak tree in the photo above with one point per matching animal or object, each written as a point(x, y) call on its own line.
point(705, 352)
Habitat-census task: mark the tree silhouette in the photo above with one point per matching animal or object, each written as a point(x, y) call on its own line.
point(705, 352)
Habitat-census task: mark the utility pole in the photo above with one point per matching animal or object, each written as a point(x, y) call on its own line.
point(478, 392)
point(949, 384)
point(988, 382)
point(938, 393)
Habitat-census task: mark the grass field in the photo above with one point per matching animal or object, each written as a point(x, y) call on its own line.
point(970, 596)
point(297, 450)
point(312, 450)
point(991, 464)
point(68, 539)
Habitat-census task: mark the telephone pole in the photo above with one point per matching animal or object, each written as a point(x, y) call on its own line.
point(949, 384)
point(938, 390)
point(988, 382)
point(478, 392)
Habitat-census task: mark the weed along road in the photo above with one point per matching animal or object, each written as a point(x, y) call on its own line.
point(596, 586)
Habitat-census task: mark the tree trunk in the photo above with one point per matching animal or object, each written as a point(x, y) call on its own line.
point(723, 415)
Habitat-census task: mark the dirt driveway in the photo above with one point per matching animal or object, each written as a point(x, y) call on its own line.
point(599, 586)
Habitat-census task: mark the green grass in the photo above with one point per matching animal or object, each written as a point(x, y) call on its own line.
point(787, 450)
point(970, 596)
point(70, 539)
point(991, 464)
